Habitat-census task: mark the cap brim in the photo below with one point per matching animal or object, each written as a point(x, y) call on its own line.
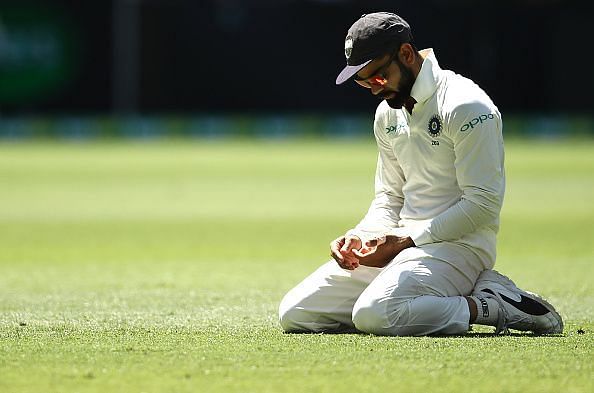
point(349, 71)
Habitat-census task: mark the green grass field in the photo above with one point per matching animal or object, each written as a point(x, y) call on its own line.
point(158, 267)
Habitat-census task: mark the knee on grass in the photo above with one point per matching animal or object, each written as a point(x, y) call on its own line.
point(371, 316)
point(292, 320)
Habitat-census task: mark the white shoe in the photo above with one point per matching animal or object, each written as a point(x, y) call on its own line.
point(519, 310)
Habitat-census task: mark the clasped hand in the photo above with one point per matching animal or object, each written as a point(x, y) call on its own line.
point(350, 252)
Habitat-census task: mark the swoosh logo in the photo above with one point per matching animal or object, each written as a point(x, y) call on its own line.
point(526, 304)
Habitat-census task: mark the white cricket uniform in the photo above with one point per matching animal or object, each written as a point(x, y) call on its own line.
point(440, 180)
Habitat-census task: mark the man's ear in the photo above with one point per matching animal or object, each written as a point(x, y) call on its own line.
point(406, 54)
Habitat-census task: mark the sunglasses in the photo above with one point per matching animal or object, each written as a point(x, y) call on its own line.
point(378, 77)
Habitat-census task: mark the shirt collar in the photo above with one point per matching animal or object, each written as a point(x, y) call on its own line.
point(428, 78)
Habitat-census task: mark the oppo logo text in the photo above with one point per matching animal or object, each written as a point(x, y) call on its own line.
point(477, 120)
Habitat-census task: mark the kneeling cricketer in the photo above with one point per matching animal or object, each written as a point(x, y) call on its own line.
point(421, 260)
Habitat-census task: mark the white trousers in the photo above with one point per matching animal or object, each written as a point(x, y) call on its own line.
point(418, 293)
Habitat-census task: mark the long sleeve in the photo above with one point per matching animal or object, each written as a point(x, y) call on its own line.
point(475, 130)
point(384, 213)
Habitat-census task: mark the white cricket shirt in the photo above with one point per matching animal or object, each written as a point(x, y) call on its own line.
point(440, 174)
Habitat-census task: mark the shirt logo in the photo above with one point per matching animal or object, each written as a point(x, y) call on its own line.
point(348, 46)
point(434, 126)
point(526, 304)
point(394, 129)
point(477, 120)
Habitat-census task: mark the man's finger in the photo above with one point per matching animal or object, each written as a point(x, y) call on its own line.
point(337, 257)
point(350, 243)
point(364, 252)
point(347, 246)
point(335, 249)
point(350, 258)
point(376, 242)
point(350, 263)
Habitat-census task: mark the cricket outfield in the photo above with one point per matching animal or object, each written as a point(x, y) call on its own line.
point(158, 267)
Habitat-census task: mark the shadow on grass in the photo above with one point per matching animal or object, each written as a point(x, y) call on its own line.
point(469, 335)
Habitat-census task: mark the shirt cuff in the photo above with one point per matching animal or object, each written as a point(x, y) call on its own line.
point(420, 235)
point(363, 235)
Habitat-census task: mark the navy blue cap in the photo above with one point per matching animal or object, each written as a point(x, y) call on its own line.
point(371, 36)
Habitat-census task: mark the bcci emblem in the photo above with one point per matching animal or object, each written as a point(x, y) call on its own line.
point(348, 46)
point(434, 126)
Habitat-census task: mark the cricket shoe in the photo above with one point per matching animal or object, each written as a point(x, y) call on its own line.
point(519, 309)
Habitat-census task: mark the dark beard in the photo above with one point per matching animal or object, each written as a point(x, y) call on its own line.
point(407, 80)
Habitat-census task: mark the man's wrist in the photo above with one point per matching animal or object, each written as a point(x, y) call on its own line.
point(409, 242)
point(401, 243)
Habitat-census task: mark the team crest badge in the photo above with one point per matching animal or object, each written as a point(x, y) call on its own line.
point(434, 126)
point(348, 46)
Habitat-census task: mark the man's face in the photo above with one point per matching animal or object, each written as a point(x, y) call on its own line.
point(388, 78)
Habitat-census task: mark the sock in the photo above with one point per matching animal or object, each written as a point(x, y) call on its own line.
point(487, 310)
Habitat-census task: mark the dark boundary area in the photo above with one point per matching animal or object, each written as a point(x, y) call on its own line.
point(272, 126)
point(214, 56)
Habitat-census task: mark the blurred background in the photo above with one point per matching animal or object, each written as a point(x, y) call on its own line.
point(146, 68)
